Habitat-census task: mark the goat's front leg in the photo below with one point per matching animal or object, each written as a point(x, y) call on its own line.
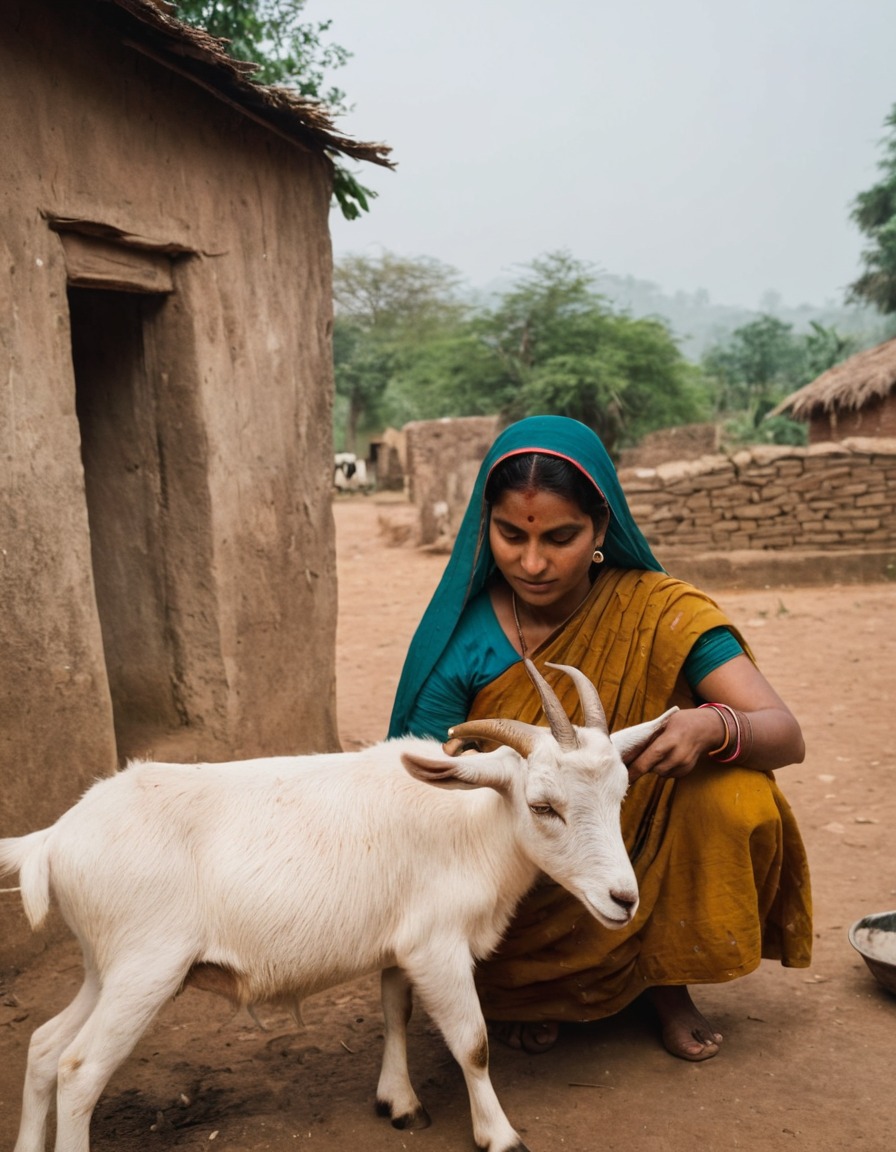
point(443, 978)
point(395, 1096)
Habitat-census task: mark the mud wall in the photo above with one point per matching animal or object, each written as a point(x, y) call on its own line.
point(208, 427)
point(683, 443)
point(876, 418)
point(443, 458)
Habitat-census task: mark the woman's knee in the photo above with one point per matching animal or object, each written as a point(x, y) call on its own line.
point(737, 798)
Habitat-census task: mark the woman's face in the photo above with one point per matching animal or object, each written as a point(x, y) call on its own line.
point(542, 543)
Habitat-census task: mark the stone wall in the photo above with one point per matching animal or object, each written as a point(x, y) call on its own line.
point(835, 495)
point(827, 496)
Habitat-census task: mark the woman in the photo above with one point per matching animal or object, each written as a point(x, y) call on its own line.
point(549, 563)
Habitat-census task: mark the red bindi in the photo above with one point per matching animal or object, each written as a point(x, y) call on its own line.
point(530, 519)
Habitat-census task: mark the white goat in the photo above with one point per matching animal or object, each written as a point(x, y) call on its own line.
point(268, 880)
point(349, 471)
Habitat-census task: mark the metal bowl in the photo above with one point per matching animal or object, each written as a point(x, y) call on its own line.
point(874, 938)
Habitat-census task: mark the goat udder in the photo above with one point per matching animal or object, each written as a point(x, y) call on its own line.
point(216, 978)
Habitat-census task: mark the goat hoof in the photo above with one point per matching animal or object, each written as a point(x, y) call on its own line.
point(408, 1121)
point(411, 1120)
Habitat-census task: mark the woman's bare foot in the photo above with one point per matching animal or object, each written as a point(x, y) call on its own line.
point(686, 1032)
point(531, 1038)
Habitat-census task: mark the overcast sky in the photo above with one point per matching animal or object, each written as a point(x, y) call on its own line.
point(692, 143)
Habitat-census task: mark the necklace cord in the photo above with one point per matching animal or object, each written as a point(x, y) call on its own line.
point(524, 650)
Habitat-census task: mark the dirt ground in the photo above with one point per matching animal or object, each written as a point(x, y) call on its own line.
point(808, 1055)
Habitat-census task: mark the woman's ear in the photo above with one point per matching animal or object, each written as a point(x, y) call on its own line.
point(601, 524)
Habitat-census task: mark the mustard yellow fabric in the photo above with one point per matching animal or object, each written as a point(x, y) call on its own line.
point(723, 875)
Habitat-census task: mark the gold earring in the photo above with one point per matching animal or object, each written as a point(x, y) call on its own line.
point(597, 557)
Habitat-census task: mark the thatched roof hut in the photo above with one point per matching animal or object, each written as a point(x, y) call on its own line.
point(854, 398)
point(203, 59)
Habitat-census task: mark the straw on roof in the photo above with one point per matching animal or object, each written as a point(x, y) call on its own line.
point(152, 28)
point(869, 375)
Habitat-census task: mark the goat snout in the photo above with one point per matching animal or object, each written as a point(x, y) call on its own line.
point(626, 899)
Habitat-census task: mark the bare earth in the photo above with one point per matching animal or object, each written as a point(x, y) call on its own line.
point(808, 1056)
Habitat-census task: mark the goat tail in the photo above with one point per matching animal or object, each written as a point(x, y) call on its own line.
point(30, 857)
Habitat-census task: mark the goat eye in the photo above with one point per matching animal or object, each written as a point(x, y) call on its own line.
point(542, 810)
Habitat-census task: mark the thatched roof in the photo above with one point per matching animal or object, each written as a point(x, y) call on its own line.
point(869, 375)
point(151, 28)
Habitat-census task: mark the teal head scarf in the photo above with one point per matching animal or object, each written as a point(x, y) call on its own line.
point(471, 561)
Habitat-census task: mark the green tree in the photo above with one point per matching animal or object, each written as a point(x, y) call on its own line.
point(447, 373)
point(874, 211)
point(408, 347)
point(393, 313)
point(825, 347)
point(564, 351)
point(759, 364)
point(289, 51)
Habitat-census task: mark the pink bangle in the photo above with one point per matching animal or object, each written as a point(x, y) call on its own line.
point(725, 710)
point(734, 755)
point(727, 759)
point(727, 740)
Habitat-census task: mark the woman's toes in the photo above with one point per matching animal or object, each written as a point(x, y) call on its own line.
point(532, 1038)
point(538, 1038)
point(694, 1045)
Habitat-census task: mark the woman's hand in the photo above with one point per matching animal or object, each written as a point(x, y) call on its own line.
point(775, 737)
point(677, 749)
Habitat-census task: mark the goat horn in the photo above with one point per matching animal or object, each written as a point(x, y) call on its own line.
point(593, 710)
point(561, 725)
point(513, 733)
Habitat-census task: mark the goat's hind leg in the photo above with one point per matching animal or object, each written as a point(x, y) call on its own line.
point(129, 998)
point(46, 1046)
point(395, 1096)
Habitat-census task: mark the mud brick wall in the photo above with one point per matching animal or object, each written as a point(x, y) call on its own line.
point(686, 442)
point(832, 495)
point(443, 458)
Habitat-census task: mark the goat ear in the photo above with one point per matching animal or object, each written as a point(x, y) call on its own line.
point(485, 770)
point(631, 742)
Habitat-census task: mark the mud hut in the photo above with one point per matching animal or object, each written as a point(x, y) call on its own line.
point(854, 398)
point(167, 562)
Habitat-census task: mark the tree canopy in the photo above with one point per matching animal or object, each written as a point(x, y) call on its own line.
point(874, 211)
point(289, 51)
point(409, 345)
point(392, 313)
point(562, 349)
point(759, 364)
point(754, 367)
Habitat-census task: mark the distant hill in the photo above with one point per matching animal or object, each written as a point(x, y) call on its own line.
point(698, 322)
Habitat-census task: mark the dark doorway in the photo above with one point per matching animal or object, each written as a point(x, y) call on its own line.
point(125, 492)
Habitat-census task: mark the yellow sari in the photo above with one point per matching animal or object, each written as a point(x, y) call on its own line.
point(722, 871)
